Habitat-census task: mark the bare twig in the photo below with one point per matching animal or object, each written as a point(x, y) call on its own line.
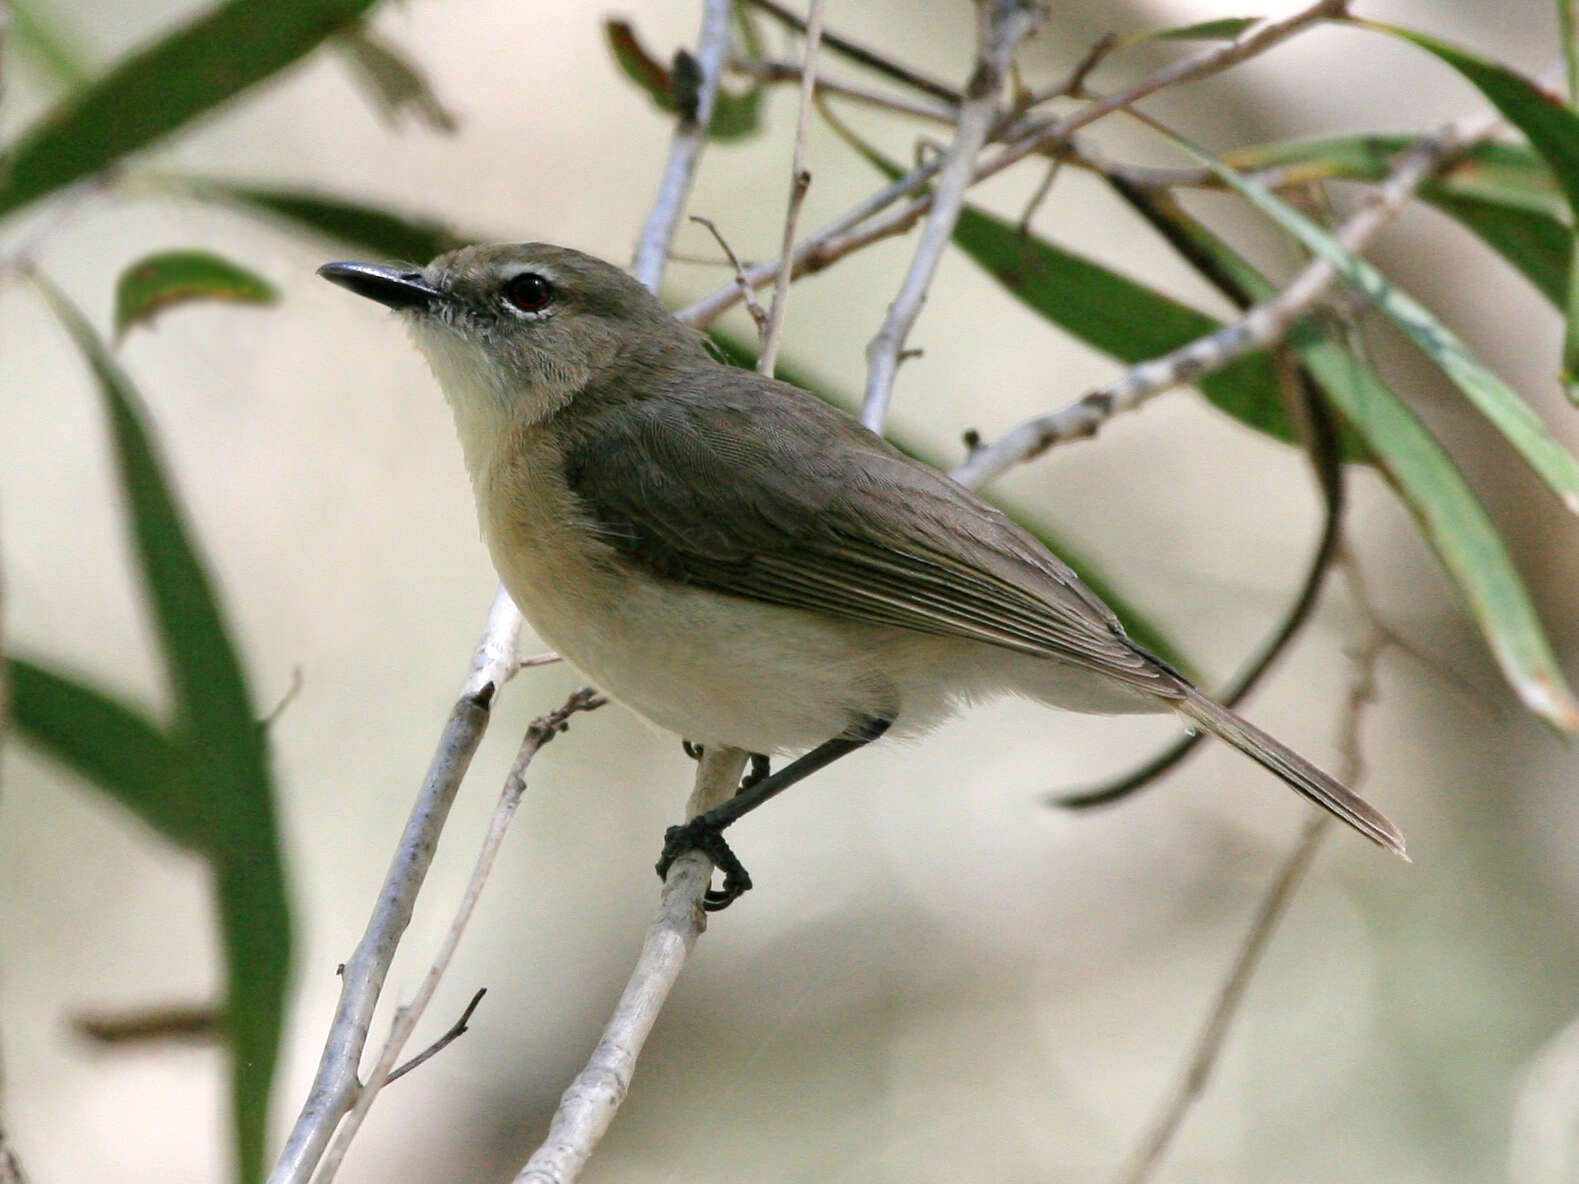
point(767, 70)
point(1274, 906)
point(866, 56)
point(589, 1105)
point(800, 179)
point(685, 147)
point(458, 1029)
point(1001, 26)
point(540, 732)
point(1257, 328)
point(759, 316)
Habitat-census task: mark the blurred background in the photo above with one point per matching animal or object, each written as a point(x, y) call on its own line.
point(938, 977)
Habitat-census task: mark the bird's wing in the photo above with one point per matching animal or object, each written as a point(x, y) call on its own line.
point(757, 489)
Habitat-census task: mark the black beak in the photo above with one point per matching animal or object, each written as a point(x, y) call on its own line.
point(387, 285)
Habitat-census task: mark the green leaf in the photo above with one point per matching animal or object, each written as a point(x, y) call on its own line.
point(221, 742)
point(743, 353)
point(114, 747)
point(735, 116)
point(1490, 395)
point(1222, 29)
point(153, 92)
point(1119, 316)
point(156, 282)
point(395, 83)
point(1552, 128)
point(1420, 470)
point(382, 233)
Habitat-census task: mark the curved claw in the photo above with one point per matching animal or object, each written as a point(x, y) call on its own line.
point(709, 840)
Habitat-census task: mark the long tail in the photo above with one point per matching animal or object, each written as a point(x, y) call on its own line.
point(1326, 791)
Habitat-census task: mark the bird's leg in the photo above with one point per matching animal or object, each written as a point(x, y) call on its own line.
point(705, 832)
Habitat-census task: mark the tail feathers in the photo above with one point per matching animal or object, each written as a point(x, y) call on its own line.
point(1326, 791)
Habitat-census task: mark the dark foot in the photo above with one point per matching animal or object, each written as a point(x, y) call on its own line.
point(694, 751)
point(760, 768)
point(709, 840)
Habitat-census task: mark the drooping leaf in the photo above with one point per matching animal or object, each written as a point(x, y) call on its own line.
point(1552, 128)
point(1501, 406)
point(744, 354)
point(156, 282)
point(395, 82)
point(1425, 478)
point(157, 90)
point(220, 741)
point(735, 116)
point(383, 234)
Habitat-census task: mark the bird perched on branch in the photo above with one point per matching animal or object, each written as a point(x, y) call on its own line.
point(741, 563)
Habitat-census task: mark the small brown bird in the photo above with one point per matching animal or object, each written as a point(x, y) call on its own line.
point(739, 562)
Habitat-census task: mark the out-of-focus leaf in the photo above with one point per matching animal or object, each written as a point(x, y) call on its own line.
point(1222, 29)
point(735, 116)
point(1501, 406)
point(743, 353)
point(1420, 470)
point(44, 40)
point(155, 91)
point(221, 743)
point(1552, 128)
point(394, 81)
point(1503, 193)
point(112, 745)
point(382, 233)
point(156, 282)
point(1567, 18)
point(1540, 246)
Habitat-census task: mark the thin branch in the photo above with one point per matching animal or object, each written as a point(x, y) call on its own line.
point(540, 732)
point(769, 70)
point(1255, 329)
point(800, 180)
point(1001, 26)
point(759, 316)
point(861, 225)
point(871, 58)
point(593, 1098)
point(456, 1030)
point(1274, 906)
point(685, 147)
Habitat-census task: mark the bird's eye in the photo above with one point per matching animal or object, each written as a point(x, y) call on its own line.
point(529, 292)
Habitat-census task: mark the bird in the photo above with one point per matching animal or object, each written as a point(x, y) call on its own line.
point(740, 562)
